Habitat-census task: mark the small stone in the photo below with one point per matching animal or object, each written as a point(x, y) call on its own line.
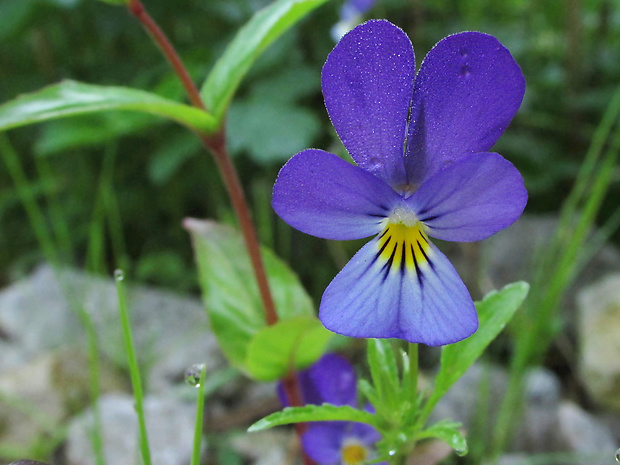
point(169, 424)
point(580, 432)
point(599, 336)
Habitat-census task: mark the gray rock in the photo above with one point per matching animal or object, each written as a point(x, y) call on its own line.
point(474, 400)
point(169, 424)
point(170, 333)
point(542, 400)
point(599, 341)
point(278, 446)
point(581, 433)
point(38, 396)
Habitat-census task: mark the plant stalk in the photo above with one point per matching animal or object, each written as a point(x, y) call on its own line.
point(216, 144)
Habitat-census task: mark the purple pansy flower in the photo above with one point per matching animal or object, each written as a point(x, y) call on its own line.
point(332, 380)
point(421, 144)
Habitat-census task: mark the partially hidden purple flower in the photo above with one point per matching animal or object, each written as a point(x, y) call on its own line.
point(350, 16)
point(332, 380)
point(421, 144)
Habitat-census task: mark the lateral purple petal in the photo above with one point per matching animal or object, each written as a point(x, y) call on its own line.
point(472, 199)
point(323, 195)
point(466, 93)
point(367, 83)
point(370, 298)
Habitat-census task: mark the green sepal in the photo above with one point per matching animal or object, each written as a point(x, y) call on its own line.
point(299, 342)
point(230, 292)
point(494, 311)
point(251, 40)
point(449, 432)
point(325, 412)
point(71, 98)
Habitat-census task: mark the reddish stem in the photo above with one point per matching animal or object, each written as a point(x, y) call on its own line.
point(216, 144)
point(158, 36)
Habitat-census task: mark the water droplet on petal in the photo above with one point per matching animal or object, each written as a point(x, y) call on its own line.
point(119, 275)
point(463, 52)
point(618, 455)
point(465, 71)
point(192, 375)
point(375, 163)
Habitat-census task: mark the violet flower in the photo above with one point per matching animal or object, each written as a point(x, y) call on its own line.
point(332, 380)
point(350, 16)
point(421, 144)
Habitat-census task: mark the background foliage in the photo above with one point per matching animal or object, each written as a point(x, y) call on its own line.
point(117, 199)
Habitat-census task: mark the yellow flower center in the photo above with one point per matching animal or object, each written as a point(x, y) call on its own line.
point(404, 245)
point(353, 453)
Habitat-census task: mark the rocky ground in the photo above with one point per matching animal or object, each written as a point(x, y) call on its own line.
point(44, 370)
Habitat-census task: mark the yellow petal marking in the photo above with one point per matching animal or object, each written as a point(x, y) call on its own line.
point(401, 242)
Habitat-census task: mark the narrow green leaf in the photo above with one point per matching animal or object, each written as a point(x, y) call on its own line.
point(447, 431)
point(325, 412)
point(494, 312)
point(300, 341)
point(70, 98)
point(230, 291)
point(266, 26)
point(384, 373)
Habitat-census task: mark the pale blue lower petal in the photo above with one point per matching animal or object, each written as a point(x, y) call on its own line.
point(373, 297)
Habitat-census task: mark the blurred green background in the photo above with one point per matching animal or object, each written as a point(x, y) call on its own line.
point(115, 188)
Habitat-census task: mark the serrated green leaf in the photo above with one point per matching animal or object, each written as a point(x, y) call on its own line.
point(266, 26)
point(230, 291)
point(325, 412)
point(449, 432)
point(71, 98)
point(299, 341)
point(494, 312)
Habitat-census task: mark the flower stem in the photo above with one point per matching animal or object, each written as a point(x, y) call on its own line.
point(137, 9)
point(216, 144)
point(413, 369)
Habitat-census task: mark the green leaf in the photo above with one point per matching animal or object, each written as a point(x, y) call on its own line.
point(270, 131)
point(266, 26)
point(447, 431)
point(494, 312)
point(70, 98)
point(90, 130)
point(230, 291)
point(325, 412)
point(384, 372)
point(300, 341)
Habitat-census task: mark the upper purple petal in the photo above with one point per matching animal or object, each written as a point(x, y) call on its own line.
point(334, 379)
point(472, 199)
point(330, 379)
point(466, 93)
point(323, 195)
point(367, 83)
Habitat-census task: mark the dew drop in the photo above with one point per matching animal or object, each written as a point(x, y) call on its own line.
point(465, 71)
point(461, 452)
point(192, 375)
point(119, 275)
point(375, 164)
point(463, 52)
point(392, 453)
point(618, 455)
